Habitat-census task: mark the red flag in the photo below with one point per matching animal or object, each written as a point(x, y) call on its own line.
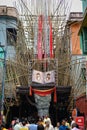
point(51, 40)
point(39, 46)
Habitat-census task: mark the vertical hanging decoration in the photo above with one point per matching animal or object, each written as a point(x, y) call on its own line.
point(39, 45)
point(35, 38)
point(51, 39)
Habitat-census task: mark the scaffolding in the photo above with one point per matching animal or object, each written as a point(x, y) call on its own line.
point(19, 70)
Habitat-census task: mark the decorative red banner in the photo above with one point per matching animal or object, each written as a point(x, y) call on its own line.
point(44, 92)
point(51, 39)
point(39, 46)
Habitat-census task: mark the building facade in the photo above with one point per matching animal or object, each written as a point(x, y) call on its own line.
point(8, 29)
point(78, 64)
point(8, 36)
point(83, 43)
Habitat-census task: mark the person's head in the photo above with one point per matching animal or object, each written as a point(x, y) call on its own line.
point(46, 116)
point(63, 122)
point(71, 118)
point(17, 121)
point(40, 119)
point(24, 123)
point(66, 120)
point(74, 125)
point(58, 124)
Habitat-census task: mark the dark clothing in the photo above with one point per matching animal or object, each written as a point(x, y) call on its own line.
point(62, 127)
point(40, 127)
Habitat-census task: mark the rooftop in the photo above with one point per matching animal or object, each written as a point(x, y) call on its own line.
point(8, 11)
point(75, 17)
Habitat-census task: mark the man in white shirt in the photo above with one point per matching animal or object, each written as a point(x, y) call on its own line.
point(72, 121)
point(48, 125)
point(74, 127)
point(17, 125)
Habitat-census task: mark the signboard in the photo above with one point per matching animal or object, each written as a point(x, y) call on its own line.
point(80, 121)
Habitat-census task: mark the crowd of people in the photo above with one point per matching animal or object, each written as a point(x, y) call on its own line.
point(41, 124)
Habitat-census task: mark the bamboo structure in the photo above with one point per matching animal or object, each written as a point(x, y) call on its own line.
point(18, 70)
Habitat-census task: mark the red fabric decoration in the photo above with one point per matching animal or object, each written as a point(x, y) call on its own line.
point(39, 46)
point(30, 91)
point(51, 39)
point(44, 92)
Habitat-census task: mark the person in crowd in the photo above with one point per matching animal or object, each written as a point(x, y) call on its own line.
point(57, 126)
point(24, 127)
point(46, 118)
point(67, 123)
point(40, 127)
point(17, 125)
point(72, 121)
point(13, 121)
point(63, 125)
point(27, 122)
point(74, 127)
point(3, 127)
point(10, 127)
point(40, 121)
point(33, 125)
point(48, 125)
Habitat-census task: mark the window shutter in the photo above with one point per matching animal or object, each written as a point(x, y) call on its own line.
point(85, 40)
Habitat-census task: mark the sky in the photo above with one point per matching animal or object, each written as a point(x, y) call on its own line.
point(76, 5)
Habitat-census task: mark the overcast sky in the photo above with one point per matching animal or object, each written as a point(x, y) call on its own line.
point(76, 4)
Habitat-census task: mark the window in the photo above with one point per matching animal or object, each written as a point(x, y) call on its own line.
point(84, 40)
point(11, 36)
point(83, 75)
